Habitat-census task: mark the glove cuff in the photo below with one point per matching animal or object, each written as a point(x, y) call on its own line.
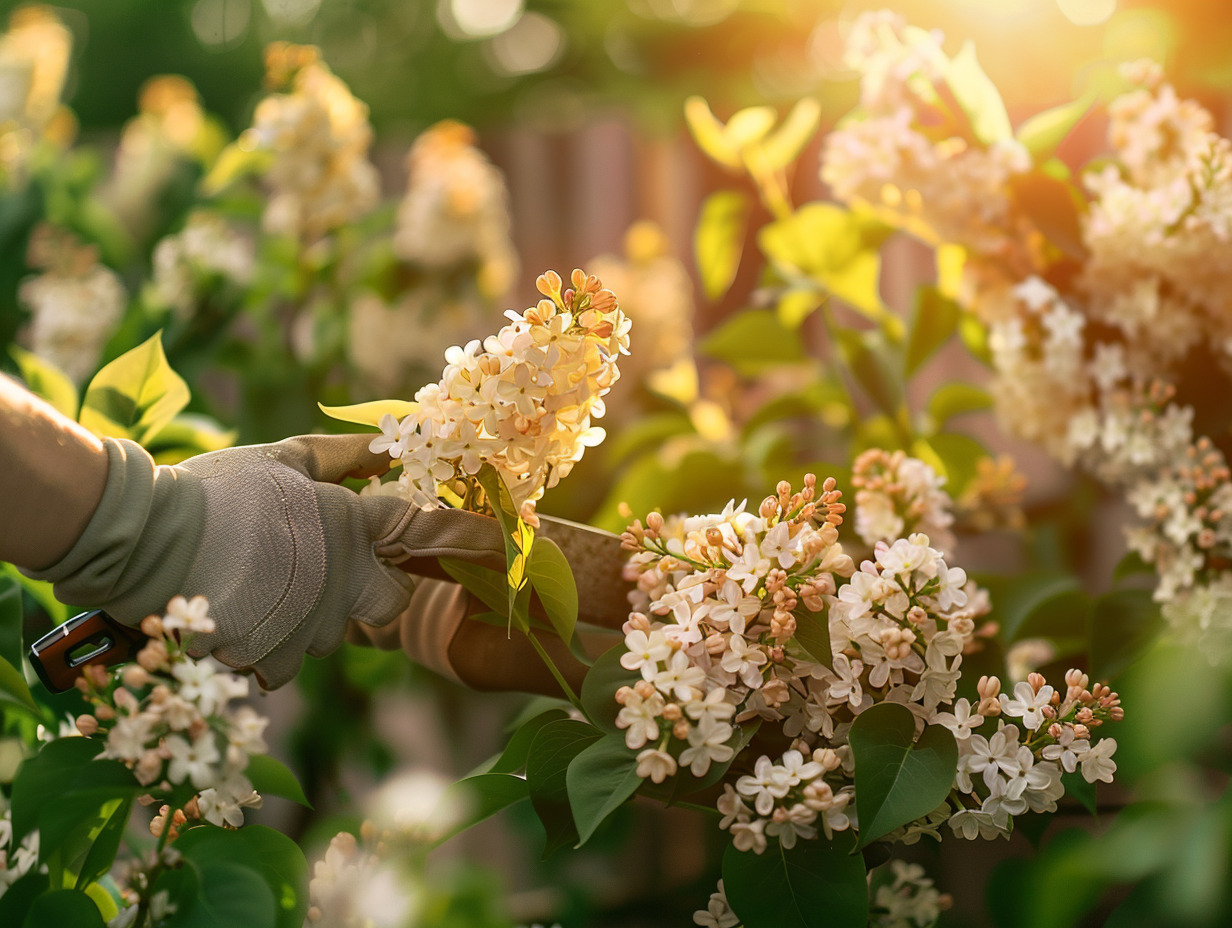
point(126, 561)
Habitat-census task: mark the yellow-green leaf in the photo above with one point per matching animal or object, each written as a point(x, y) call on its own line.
point(718, 240)
point(784, 145)
point(1042, 133)
point(370, 413)
point(709, 133)
point(552, 580)
point(135, 395)
point(978, 96)
point(46, 381)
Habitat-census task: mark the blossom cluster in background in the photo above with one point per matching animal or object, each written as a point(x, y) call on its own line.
point(522, 400)
point(320, 176)
point(453, 237)
point(169, 719)
point(1086, 365)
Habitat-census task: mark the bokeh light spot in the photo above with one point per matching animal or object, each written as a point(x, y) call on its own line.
point(221, 24)
point(472, 19)
point(1087, 12)
point(291, 12)
point(535, 43)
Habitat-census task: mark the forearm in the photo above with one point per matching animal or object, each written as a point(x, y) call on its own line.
point(53, 474)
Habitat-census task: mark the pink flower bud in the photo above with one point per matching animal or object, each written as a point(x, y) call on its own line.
point(87, 725)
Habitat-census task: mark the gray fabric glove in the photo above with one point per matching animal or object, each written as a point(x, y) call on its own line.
point(284, 555)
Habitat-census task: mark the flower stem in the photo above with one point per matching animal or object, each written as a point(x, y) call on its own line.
point(555, 671)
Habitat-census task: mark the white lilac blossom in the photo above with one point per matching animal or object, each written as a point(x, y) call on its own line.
point(172, 721)
point(522, 400)
point(206, 249)
point(896, 496)
point(1089, 339)
point(712, 638)
point(712, 633)
point(909, 900)
point(318, 133)
point(456, 210)
point(75, 303)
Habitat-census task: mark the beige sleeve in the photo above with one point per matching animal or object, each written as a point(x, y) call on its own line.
point(424, 630)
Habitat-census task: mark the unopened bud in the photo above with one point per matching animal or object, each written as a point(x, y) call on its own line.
point(671, 712)
point(87, 725)
point(681, 730)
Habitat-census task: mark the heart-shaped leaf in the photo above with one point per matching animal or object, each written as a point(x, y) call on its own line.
point(897, 778)
point(816, 884)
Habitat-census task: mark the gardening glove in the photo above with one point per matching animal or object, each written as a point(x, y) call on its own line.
point(284, 555)
point(433, 632)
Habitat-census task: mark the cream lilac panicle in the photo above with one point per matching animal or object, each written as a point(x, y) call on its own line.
point(171, 720)
point(522, 400)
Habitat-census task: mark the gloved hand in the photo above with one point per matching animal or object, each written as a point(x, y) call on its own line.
point(284, 555)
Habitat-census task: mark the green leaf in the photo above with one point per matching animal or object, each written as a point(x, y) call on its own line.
point(1124, 624)
point(816, 884)
point(216, 893)
point(934, 320)
point(487, 584)
point(271, 777)
point(955, 399)
point(701, 479)
point(836, 248)
point(753, 340)
point(13, 688)
point(709, 134)
point(599, 780)
point(718, 240)
point(1044, 132)
point(599, 687)
point(959, 456)
point(188, 435)
point(552, 580)
point(1056, 208)
point(517, 751)
point(64, 785)
point(46, 380)
point(813, 634)
point(898, 779)
point(553, 750)
point(255, 850)
point(519, 541)
point(1132, 566)
point(135, 395)
point(868, 359)
point(42, 593)
point(978, 96)
point(784, 144)
point(16, 900)
point(480, 797)
point(370, 413)
point(106, 843)
point(10, 622)
point(1076, 787)
point(64, 907)
point(1017, 597)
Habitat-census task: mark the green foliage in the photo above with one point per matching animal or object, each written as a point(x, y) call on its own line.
point(552, 580)
point(1044, 132)
point(135, 395)
point(271, 777)
point(63, 792)
point(258, 858)
point(898, 779)
point(752, 341)
point(603, 679)
point(555, 747)
point(813, 634)
point(1123, 625)
point(518, 748)
point(718, 240)
point(835, 249)
point(45, 380)
point(63, 907)
point(210, 891)
point(816, 884)
point(955, 398)
point(599, 780)
point(934, 319)
point(480, 797)
point(978, 97)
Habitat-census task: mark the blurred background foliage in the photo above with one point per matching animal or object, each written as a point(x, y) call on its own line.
point(549, 63)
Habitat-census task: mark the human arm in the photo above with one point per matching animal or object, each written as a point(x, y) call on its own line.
point(54, 474)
